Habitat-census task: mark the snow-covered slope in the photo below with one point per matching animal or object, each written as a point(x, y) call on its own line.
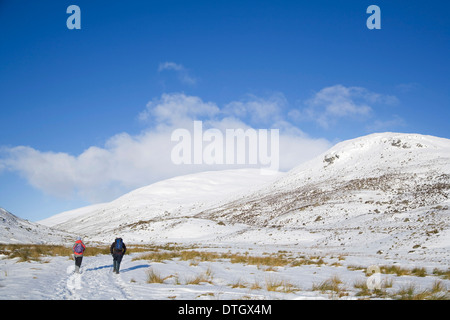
point(407, 171)
point(16, 230)
point(380, 193)
point(166, 205)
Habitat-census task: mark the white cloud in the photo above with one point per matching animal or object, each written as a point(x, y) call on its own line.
point(258, 110)
point(170, 66)
point(126, 162)
point(36, 167)
point(98, 174)
point(408, 87)
point(182, 73)
point(330, 104)
point(174, 109)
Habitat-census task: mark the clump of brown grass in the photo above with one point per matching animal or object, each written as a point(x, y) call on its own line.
point(153, 276)
point(332, 285)
point(445, 274)
point(410, 292)
point(206, 276)
point(279, 285)
point(378, 292)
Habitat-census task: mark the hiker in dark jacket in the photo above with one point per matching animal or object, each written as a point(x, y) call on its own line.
point(117, 249)
point(78, 250)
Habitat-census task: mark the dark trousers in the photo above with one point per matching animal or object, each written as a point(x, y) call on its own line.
point(78, 261)
point(117, 259)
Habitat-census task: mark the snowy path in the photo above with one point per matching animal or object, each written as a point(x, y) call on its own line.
point(96, 281)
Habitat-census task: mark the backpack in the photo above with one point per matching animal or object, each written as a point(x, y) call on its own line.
point(78, 248)
point(119, 244)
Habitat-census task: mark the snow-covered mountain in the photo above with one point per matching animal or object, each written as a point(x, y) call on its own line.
point(163, 210)
point(385, 193)
point(380, 173)
point(380, 193)
point(16, 230)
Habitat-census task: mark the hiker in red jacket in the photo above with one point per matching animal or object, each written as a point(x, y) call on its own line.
point(78, 250)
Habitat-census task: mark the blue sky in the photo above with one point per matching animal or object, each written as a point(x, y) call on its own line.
point(81, 109)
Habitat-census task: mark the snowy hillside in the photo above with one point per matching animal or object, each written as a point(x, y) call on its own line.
point(403, 172)
point(166, 207)
point(382, 193)
point(16, 230)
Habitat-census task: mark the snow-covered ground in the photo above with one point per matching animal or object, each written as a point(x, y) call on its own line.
point(54, 278)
